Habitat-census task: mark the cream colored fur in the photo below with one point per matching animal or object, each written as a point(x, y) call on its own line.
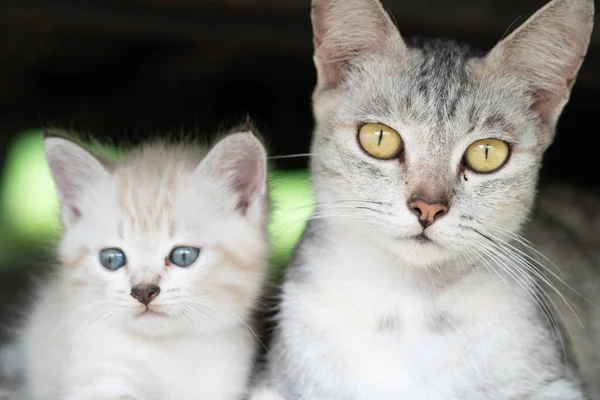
point(86, 337)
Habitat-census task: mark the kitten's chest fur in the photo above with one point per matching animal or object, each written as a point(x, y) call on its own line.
point(202, 366)
point(381, 337)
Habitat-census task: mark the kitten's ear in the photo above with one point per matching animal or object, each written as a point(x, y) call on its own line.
point(240, 159)
point(345, 30)
point(73, 170)
point(547, 51)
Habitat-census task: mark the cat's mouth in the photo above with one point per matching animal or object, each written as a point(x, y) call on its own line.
point(422, 238)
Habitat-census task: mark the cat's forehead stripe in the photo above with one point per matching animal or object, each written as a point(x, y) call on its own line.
point(442, 78)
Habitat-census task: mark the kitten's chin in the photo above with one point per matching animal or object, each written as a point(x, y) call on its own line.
point(152, 324)
point(159, 324)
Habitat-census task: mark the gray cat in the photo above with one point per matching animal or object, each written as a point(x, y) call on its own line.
point(412, 280)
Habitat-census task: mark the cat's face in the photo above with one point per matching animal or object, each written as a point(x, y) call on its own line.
point(163, 242)
point(434, 151)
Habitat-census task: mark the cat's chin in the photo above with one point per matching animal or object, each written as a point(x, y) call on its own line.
point(422, 251)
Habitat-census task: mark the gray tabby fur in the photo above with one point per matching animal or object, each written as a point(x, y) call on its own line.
point(370, 312)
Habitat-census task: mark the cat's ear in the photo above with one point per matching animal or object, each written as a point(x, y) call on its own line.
point(547, 51)
point(240, 160)
point(345, 30)
point(74, 170)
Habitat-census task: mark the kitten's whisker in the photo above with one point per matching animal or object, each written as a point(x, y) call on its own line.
point(77, 310)
point(216, 308)
point(96, 318)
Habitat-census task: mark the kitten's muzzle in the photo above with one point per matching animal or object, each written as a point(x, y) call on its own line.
point(145, 293)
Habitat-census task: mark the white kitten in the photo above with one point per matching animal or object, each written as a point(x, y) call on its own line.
point(163, 257)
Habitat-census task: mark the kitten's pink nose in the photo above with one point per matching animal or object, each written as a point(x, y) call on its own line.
point(428, 212)
point(145, 293)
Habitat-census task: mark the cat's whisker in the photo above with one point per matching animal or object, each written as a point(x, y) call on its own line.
point(286, 156)
point(526, 243)
point(549, 307)
point(532, 287)
point(532, 263)
point(327, 204)
point(318, 216)
point(523, 280)
point(532, 268)
point(554, 309)
point(321, 216)
point(486, 263)
point(544, 301)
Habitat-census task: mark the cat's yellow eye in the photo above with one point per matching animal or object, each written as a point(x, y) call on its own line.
point(487, 155)
point(380, 141)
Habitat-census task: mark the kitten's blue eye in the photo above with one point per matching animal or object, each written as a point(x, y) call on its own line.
point(184, 256)
point(113, 259)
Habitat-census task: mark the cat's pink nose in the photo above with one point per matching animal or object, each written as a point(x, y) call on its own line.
point(428, 212)
point(145, 293)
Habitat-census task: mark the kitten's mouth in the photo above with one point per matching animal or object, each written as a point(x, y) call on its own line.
point(151, 312)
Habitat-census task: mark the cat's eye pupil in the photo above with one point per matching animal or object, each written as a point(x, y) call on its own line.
point(113, 259)
point(184, 256)
point(380, 141)
point(486, 155)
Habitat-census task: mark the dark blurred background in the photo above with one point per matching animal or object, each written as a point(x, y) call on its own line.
point(126, 69)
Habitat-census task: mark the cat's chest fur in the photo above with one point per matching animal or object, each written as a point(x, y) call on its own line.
point(366, 337)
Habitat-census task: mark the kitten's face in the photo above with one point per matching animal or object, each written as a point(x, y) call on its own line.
point(130, 251)
point(429, 193)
